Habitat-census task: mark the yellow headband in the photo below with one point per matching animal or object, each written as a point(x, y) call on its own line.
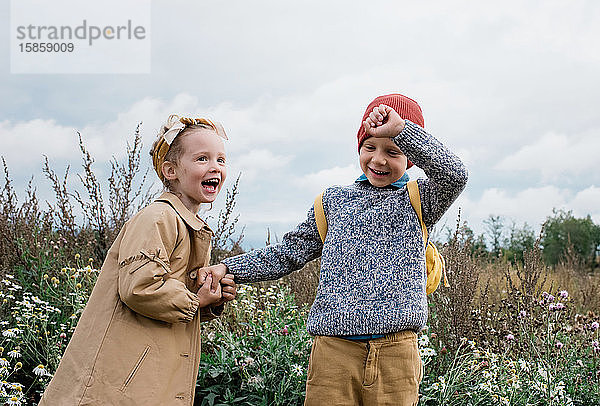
point(163, 145)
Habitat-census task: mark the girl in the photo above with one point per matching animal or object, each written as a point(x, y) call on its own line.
point(138, 339)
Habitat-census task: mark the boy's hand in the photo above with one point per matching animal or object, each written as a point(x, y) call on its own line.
point(206, 296)
point(217, 272)
point(228, 289)
point(383, 122)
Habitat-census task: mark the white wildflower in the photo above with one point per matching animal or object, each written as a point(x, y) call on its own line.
point(297, 369)
point(13, 401)
point(14, 354)
point(40, 370)
point(38, 300)
point(427, 352)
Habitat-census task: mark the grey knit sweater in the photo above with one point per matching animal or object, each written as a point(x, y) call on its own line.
point(372, 278)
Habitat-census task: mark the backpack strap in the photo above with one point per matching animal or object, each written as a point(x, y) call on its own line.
point(320, 217)
point(415, 202)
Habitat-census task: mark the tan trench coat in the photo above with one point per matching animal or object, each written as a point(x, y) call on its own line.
point(138, 339)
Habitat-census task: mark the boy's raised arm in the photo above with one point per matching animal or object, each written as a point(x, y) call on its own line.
point(446, 174)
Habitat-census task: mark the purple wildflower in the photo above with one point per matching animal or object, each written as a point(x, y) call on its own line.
point(563, 294)
point(595, 325)
point(509, 337)
point(559, 345)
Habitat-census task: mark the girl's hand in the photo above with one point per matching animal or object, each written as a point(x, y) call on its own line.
point(206, 295)
point(383, 122)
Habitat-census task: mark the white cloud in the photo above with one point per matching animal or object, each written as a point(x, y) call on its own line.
point(314, 183)
point(24, 142)
point(257, 163)
point(555, 154)
point(587, 201)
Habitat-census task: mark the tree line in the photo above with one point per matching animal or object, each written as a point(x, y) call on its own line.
point(563, 238)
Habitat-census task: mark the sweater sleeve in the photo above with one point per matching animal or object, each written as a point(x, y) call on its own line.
point(297, 247)
point(145, 282)
point(446, 174)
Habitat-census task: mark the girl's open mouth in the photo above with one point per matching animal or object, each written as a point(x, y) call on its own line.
point(210, 185)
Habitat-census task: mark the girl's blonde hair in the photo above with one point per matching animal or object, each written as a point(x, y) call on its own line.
point(174, 150)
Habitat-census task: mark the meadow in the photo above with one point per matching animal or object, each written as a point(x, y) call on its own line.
point(503, 333)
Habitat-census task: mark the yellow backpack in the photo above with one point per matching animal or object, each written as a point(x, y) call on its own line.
point(435, 263)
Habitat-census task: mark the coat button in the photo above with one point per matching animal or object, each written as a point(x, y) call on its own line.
point(184, 355)
point(180, 396)
point(194, 274)
point(90, 381)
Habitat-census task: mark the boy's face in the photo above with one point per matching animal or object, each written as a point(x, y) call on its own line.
point(382, 161)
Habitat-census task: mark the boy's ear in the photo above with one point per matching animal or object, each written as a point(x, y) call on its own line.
point(169, 170)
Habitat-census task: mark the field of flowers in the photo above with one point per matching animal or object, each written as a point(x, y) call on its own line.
point(257, 352)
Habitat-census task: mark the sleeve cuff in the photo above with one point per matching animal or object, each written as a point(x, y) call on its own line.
point(188, 315)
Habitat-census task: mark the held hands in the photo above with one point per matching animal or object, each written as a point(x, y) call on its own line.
point(207, 296)
point(383, 122)
point(215, 286)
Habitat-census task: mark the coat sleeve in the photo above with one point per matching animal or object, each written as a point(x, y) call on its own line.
point(446, 174)
point(299, 246)
point(145, 282)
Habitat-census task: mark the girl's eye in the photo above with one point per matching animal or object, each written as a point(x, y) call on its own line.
point(201, 158)
point(221, 160)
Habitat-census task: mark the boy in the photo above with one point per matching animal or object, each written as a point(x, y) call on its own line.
point(371, 298)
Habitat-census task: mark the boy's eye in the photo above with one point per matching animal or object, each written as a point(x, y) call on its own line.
point(221, 160)
point(201, 158)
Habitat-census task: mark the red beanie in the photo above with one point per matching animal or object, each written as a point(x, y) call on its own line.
point(406, 107)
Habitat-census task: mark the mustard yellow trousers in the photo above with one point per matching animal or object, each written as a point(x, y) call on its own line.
point(382, 371)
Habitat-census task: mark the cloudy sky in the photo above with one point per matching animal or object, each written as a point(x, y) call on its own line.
point(512, 87)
